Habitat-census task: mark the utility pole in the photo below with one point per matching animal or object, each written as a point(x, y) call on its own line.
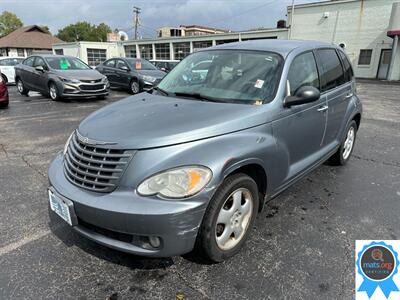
point(136, 11)
point(291, 20)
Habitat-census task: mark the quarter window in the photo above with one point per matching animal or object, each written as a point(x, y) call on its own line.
point(332, 71)
point(303, 72)
point(348, 71)
point(365, 57)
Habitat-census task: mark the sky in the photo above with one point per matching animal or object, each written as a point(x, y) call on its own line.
point(227, 14)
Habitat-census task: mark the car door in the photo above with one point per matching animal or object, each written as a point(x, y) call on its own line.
point(123, 73)
point(109, 70)
point(337, 89)
point(39, 78)
point(300, 129)
point(26, 72)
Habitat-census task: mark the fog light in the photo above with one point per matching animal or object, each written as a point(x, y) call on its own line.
point(154, 241)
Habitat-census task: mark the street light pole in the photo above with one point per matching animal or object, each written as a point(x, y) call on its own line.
point(291, 20)
point(136, 11)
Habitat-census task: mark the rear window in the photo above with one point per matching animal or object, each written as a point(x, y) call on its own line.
point(332, 71)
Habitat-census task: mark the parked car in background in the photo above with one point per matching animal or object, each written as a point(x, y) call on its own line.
point(7, 65)
point(193, 161)
point(60, 77)
point(3, 92)
point(134, 74)
point(165, 65)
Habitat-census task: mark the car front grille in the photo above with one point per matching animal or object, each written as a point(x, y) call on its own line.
point(91, 81)
point(91, 87)
point(93, 167)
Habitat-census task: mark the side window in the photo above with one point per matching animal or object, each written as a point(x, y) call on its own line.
point(365, 57)
point(348, 71)
point(4, 62)
point(121, 63)
point(40, 62)
point(332, 71)
point(303, 72)
point(29, 61)
point(110, 63)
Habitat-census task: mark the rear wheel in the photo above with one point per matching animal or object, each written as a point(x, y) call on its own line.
point(229, 218)
point(53, 92)
point(134, 87)
point(345, 150)
point(21, 88)
point(5, 79)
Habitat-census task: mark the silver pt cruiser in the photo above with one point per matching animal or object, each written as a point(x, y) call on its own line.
point(190, 163)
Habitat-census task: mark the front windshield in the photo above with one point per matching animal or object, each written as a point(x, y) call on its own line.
point(226, 75)
point(66, 63)
point(141, 64)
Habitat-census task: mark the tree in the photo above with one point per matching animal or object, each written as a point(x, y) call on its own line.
point(45, 28)
point(8, 23)
point(84, 31)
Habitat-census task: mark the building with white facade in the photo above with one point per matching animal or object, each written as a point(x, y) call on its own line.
point(367, 29)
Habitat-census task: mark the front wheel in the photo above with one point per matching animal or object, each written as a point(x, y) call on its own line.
point(21, 88)
point(229, 218)
point(345, 150)
point(134, 87)
point(53, 92)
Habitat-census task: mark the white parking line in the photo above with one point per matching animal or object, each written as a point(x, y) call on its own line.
point(26, 240)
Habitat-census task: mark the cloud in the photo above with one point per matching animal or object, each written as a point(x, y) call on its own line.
point(228, 14)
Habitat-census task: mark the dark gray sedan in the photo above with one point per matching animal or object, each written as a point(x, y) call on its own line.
point(133, 74)
point(60, 77)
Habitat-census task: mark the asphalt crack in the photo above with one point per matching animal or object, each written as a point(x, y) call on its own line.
point(392, 164)
point(32, 167)
point(4, 150)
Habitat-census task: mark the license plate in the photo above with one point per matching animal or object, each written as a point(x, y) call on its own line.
point(59, 207)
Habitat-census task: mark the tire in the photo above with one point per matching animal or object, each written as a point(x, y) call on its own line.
point(213, 232)
point(134, 87)
point(53, 92)
point(343, 154)
point(21, 88)
point(5, 79)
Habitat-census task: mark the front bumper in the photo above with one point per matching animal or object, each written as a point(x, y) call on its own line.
point(84, 90)
point(147, 85)
point(123, 220)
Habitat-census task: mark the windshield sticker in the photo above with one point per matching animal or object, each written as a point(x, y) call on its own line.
point(259, 83)
point(64, 64)
point(138, 65)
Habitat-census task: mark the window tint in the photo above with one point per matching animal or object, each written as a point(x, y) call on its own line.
point(4, 62)
point(348, 71)
point(303, 72)
point(10, 61)
point(110, 63)
point(121, 63)
point(40, 62)
point(332, 71)
point(365, 57)
point(29, 61)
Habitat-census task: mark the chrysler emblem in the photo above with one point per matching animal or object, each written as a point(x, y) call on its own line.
point(86, 140)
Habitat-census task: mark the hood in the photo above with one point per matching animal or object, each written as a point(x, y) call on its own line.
point(79, 74)
point(154, 73)
point(148, 121)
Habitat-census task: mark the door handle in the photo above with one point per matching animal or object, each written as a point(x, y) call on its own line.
point(349, 95)
point(323, 108)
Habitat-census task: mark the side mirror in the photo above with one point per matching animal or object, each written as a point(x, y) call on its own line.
point(39, 68)
point(305, 94)
point(124, 68)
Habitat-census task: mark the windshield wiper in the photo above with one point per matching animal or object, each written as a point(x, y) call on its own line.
point(162, 91)
point(198, 96)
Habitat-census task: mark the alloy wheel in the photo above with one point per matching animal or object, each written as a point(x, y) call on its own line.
point(134, 87)
point(20, 86)
point(233, 219)
point(53, 91)
point(348, 143)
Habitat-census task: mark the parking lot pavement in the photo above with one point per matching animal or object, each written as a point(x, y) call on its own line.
point(302, 246)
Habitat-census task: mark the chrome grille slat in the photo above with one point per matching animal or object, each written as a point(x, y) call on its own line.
point(94, 167)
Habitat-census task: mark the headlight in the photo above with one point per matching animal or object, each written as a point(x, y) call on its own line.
point(105, 79)
point(176, 183)
point(67, 143)
point(148, 78)
point(69, 80)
